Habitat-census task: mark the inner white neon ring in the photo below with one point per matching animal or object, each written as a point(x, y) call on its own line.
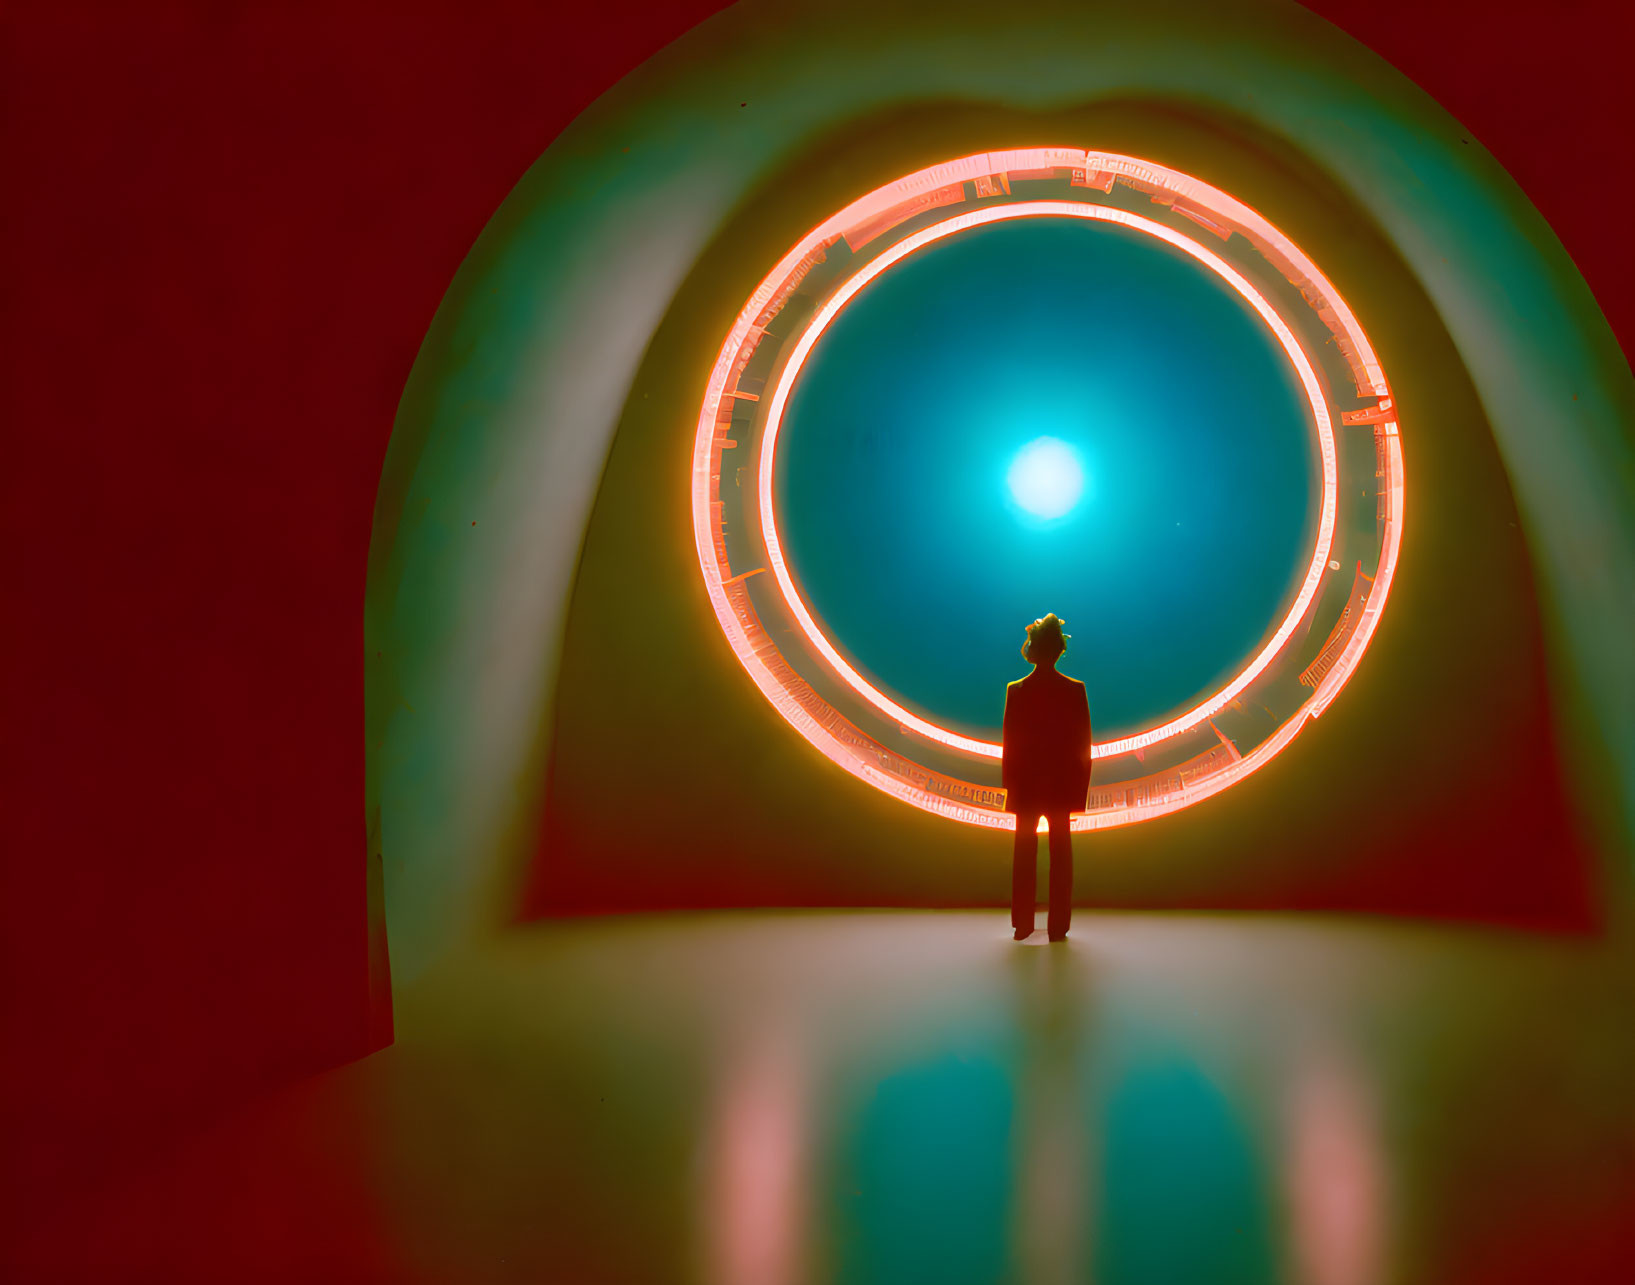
point(1055, 209)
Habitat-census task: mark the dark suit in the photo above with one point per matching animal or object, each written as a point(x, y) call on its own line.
point(1045, 772)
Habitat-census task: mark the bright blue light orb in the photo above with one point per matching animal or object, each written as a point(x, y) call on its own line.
point(1045, 477)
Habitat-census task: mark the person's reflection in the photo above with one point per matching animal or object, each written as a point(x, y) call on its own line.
point(1045, 771)
point(1054, 1146)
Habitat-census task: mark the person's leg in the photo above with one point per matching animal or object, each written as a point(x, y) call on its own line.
point(1061, 874)
point(1025, 872)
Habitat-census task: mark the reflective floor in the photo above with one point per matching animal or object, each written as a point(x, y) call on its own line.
point(796, 1098)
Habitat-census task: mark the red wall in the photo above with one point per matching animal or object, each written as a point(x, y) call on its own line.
point(227, 235)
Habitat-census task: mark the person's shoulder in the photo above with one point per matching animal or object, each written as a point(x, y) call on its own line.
point(1017, 682)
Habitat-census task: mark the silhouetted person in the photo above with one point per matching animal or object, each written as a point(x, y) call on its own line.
point(1045, 772)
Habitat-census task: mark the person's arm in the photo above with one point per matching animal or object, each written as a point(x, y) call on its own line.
point(1082, 736)
point(1006, 755)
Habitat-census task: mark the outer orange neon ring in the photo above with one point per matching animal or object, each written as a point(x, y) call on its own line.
point(1278, 250)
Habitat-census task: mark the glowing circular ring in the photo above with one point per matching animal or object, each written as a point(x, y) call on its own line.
point(1127, 799)
point(1053, 209)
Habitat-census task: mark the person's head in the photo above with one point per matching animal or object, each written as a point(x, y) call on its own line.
point(1046, 641)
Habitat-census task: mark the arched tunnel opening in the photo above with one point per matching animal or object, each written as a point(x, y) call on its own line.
point(715, 512)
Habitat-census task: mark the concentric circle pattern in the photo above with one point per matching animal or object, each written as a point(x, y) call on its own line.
point(1307, 654)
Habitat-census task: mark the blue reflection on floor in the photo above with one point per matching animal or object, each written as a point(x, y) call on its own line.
point(922, 1193)
point(1175, 1154)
